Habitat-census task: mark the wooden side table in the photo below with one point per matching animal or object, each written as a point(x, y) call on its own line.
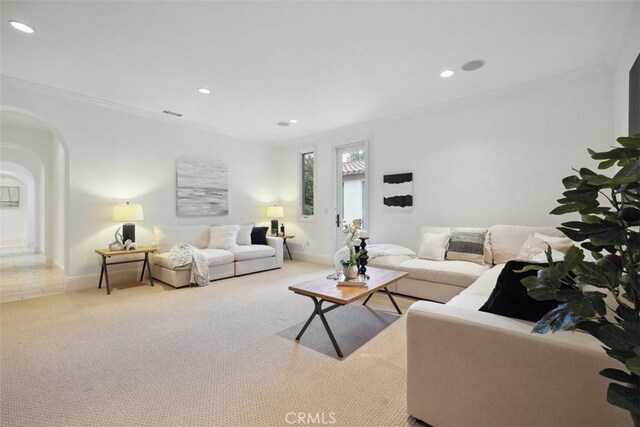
point(284, 243)
point(108, 253)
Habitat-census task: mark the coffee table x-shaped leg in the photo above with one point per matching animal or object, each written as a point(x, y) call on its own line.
point(320, 312)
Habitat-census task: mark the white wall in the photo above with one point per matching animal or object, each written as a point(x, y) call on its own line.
point(628, 55)
point(497, 158)
point(14, 228)
point(26, 164)
point(29, 142)
point(119, 154)
point(57, 210)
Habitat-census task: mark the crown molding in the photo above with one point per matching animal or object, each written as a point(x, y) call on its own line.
point(133, 110)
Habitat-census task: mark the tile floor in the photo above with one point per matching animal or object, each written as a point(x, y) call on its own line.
point(23, 274)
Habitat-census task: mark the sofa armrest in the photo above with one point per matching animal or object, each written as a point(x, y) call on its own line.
point(276, 243)
point(466, 367)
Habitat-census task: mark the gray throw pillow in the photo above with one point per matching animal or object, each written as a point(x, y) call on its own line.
point(466, 245)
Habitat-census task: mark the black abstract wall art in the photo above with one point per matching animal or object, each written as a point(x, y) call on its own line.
point(398, 191)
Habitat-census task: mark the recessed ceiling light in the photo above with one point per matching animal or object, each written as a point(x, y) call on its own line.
point(293, 121)
point(446, 74)
point(21, 26)
point(473, 65)
point(284, 124)
point(204, 90)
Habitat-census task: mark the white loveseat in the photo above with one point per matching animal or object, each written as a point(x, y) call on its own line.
point(466, 367)
point(243, 259)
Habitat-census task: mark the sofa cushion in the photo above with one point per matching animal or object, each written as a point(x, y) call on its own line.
point(488, 255)
point(223, 236)
point(484, 285)
point(538, 243)
point(457, 273)
point(244, 253)
point(467, 245)
point(389, 262)
point(214, 256)
point(507, 240)
point(259, 235)
point(244, 235)
point(434, 246)
point(167, 236)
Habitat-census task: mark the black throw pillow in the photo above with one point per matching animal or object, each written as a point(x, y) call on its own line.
point(259, 235)
point(509, 297)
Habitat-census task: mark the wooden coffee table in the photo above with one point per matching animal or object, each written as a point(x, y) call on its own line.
point(326, 290)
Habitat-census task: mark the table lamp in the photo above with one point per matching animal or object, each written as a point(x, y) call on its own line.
point(127, 212)
point(275, 212)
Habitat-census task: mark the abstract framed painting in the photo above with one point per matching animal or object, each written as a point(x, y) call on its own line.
point(9, 197)
point(397, 191)
point(202, 188)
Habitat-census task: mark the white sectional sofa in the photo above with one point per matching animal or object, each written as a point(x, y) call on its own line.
point(442, 280)
point(243, 259)
point(472, 368)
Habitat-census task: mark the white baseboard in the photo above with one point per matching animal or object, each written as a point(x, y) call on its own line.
point(311, 257)
point(76, 283)
point(13, 242)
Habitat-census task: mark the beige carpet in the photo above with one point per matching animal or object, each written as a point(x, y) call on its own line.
point(219, 355)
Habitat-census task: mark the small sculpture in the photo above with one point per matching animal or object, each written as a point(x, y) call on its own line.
point(117, 244)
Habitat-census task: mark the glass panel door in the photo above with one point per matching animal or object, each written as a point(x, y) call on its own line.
point(351, 189)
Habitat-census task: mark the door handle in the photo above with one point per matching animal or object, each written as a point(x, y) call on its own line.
point(337, 220)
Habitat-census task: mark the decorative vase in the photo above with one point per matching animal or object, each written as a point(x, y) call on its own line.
point(350, 272)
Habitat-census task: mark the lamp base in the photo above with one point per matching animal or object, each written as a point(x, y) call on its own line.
point(128, 232)
point(274, 227)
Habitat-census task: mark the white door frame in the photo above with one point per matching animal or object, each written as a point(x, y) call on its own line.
point(337, 169)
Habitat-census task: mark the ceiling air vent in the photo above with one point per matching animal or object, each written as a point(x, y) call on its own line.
point(172, 113)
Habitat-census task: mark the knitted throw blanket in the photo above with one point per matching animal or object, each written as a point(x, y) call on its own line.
point(182, 254)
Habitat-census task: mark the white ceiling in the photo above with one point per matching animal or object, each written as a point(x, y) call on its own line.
point(325, 64)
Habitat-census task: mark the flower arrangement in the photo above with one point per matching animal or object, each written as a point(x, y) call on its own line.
point(350, 231)
point(352, 260)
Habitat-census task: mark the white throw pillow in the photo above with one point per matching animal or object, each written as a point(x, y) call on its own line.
point(434, 246)
point(244, 235)
point(537, 243)
point(223, 236)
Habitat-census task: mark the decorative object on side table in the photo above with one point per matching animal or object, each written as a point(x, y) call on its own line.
point(364, 257)
point(126, 212)
point(275, 212)
point(612, 229)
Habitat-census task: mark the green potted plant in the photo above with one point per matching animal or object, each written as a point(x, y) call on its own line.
point(350, 265)
point(602, 296)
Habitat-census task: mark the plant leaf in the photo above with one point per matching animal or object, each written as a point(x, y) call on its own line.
point(618, 375)
point(633, 365)
point(624, 397)
point(617, 338)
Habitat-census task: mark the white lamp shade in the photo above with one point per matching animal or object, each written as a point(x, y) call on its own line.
point(128, 212)
point(275, 212)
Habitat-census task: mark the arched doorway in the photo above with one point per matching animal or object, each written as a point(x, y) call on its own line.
point(34, 153)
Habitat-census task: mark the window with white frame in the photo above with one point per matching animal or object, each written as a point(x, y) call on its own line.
point(307, 187)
